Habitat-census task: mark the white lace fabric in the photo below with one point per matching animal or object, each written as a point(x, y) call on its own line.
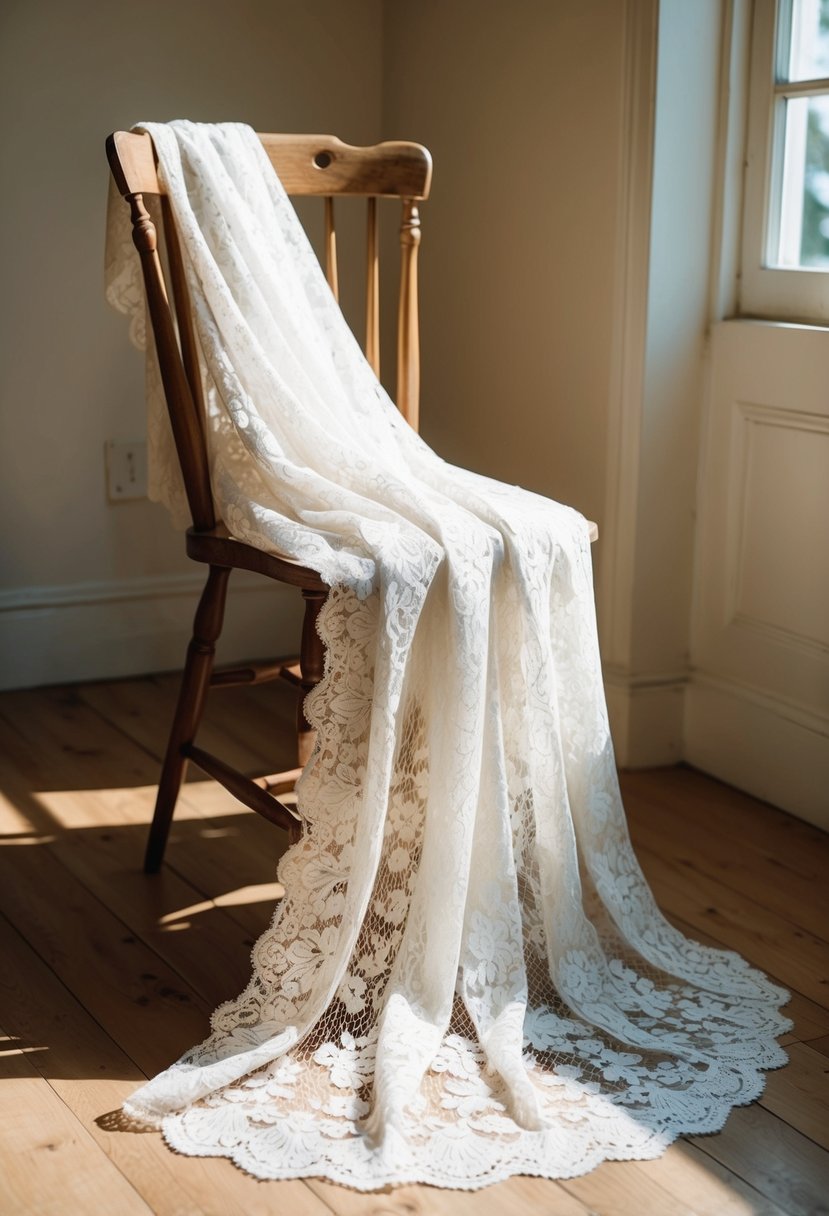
point(467, 977)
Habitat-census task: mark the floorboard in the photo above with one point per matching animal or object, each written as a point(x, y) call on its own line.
point(109, 975)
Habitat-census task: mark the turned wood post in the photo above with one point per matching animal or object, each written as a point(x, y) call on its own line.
point(408, 337)
point(311, 668)
point(184, 414)
point(195, 683)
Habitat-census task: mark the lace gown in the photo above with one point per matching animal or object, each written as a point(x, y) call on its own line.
point(468, 976)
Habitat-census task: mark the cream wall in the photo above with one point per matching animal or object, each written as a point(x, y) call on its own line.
point(87, 588)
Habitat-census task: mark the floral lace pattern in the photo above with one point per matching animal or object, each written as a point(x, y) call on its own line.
point(467, 977)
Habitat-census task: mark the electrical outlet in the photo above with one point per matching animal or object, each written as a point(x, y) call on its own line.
point(126, 470)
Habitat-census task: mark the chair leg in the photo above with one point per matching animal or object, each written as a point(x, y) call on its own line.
point(311, 665)
point(195, 683)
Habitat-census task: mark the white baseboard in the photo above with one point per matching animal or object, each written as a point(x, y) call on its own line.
point(103, 630)
point(762, 744)
point(646, 717)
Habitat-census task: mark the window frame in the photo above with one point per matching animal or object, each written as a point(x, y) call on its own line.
point(766, 290)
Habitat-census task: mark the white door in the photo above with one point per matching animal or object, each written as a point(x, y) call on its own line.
point(757, 711)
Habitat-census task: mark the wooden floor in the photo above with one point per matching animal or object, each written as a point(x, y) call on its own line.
point(107, 976)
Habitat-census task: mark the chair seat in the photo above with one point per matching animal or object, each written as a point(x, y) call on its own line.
point(216, 547)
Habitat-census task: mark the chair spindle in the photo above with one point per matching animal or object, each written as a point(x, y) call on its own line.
point(372, 289)
point(408, 338)
point(331, 247)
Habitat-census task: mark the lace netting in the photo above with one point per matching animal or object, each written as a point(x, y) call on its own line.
point(468, 976)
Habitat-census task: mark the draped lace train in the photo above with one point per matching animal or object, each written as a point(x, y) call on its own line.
point(468, 977)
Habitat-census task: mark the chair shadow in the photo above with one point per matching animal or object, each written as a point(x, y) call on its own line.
point(119, 1121)
point(214, 896)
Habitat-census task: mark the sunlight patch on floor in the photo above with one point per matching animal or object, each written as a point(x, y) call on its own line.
point(125, 806)
point(26, 838)
point(263, 892)
point(116, 807)
point(12, 1046)
point(702, 1182)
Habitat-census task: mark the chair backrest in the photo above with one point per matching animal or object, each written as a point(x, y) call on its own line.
point(319, 165)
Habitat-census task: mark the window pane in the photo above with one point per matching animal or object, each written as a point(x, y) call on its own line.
point(804, 217)
point(809, 54)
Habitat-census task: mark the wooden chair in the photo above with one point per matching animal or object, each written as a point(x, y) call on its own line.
point(307, 165)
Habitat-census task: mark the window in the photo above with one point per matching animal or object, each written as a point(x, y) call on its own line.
point(785, 256)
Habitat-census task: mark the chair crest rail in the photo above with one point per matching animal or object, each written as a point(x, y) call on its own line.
point(305, 164)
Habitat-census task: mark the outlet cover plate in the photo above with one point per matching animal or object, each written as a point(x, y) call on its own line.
point(126, 469)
